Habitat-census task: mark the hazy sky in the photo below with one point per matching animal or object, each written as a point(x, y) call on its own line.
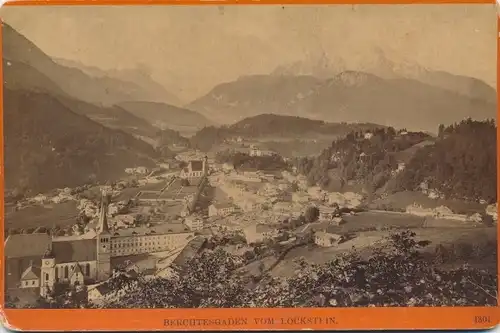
point(196, 48)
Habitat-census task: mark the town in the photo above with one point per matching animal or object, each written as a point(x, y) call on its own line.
point(155, 221)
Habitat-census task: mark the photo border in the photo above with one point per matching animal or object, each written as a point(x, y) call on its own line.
point(244, 318)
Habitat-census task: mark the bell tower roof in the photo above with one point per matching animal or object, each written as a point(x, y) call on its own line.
point(49, 253)
point(103, 217)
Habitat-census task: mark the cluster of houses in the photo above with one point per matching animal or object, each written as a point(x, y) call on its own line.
point(443, 212)
point(63, 195)
point(141, 170)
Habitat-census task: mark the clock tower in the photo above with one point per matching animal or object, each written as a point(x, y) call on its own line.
point(47, 272)
point(104, 242)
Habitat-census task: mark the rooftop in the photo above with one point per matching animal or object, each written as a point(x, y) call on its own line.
point(197, 165)
point(103, 288)
point(31, 273)
point(189, 251)
point(75, 250)
point(26, 245)
point(158, 228)
point(327, 234)
point(222, 205)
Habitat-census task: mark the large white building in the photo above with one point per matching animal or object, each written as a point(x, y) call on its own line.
point(83, 261)
point(195, 169)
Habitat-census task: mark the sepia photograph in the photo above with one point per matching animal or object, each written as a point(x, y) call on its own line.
point(248, 156)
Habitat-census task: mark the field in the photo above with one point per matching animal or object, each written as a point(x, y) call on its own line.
point(365, 220)
point(401, 200)
point(365, 231)
point(62, 215)
point(131, 192)
point(365, 240)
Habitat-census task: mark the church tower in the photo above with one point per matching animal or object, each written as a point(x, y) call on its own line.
point(205, 166)
point(48, 276)
point(103, 242)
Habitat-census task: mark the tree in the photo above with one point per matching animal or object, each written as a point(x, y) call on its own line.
point(397, 273)
point(184, 182)
point(311, 214)
point(441, 131)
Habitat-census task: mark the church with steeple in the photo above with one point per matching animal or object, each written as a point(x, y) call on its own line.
point(52, 263)
point(82, 261)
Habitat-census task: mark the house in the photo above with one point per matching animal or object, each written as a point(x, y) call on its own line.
point(30, 277)
point(98, 294)
point(326, 239)
point(368, 135)
point(227, 167)
point(194, 223)
point(141, 170)
point(492, 210)
point(317, 193)
point(418, 210)
point(476, 218)
point(327, 213)
point(221, 209)
point(256, 233)
point(254, 151)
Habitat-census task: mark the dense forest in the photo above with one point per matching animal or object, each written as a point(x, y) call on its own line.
point(58, 148)
point(461, 165)
point(245, 161)
point(367, 157)
point(269, 125)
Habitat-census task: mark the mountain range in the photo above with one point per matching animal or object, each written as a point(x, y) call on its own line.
point(139, 77)
point(50, 137)
point(73, 81)
point(350, 96)
point(67, 122)
point(165, 116)
point(378, 63)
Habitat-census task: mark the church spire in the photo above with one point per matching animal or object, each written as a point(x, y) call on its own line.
point(103, 217)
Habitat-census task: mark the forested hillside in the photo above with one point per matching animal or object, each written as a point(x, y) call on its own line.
point(368, 158)
point(274, 126)
point(461, 165)
point(48, 146)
